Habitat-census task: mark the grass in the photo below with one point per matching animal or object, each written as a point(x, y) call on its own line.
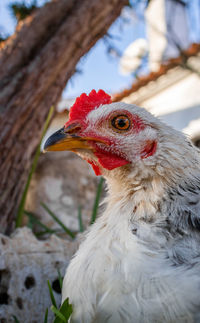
point(80, 220)
point(60, 279)
point(58, 221)
point(96, 201)
point(63, 313)
point(51, 294)
point(15, 319)
point(20, 212)
point(33, 219)
point(46, 316)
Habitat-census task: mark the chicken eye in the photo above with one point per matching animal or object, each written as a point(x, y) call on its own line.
point(121, 122)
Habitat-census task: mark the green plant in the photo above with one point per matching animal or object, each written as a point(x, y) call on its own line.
point(15, 319)
point(46, 316)
point(61, 314)
point(20, 212)
point(57, 220)
point(64, 312)
point(80, 220)
point(33, 219)
point(51, 294)
point(60, 279)
point(96, 201)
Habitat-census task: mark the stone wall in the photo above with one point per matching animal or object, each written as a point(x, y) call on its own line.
point(25, 266)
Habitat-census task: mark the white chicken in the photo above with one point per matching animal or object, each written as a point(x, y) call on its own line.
point(140, 261)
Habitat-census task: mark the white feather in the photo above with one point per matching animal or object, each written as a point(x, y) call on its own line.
point(140, 261)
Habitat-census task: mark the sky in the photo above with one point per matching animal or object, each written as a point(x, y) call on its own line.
point(98, 69)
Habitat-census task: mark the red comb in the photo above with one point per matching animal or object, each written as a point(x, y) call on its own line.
point(86, 103)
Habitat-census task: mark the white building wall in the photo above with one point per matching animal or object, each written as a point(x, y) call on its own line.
point(178, 105)
point(180, 96)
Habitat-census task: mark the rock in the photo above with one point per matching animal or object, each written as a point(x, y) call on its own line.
point(25, 266)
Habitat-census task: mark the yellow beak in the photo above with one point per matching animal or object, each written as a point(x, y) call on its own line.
point(63, 140)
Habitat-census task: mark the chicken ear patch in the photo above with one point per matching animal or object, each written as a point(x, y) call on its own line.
point(149, 150)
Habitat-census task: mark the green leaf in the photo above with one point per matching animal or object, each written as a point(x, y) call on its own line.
point(46, 316)
point(51, 294)
point(42, 233)
point(80, 220)
point(30, 223)
point(96, 201)
point(66, 310)
point(60, 279)
point(34, 219)
point(20, 212)
point(59, 317)
point(68, 231)
point(15, 319)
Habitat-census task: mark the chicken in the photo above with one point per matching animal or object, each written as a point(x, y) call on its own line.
point(140, 261)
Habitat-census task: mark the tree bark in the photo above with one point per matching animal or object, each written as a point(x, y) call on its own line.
point(36, 63)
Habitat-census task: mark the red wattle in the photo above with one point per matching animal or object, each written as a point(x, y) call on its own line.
point(95, 167)
point(110, 161)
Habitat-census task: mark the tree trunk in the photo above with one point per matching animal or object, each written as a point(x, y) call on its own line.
point(36, 63)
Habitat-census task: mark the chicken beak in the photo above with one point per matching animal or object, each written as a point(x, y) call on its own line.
point(65, 140)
